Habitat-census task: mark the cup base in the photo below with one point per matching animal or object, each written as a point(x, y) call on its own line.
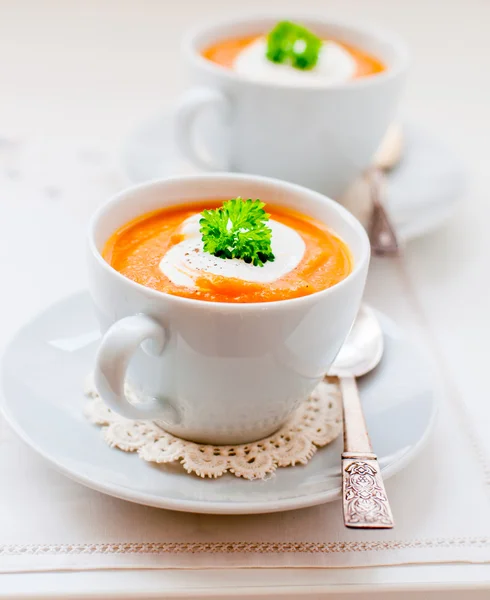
point(223, 438)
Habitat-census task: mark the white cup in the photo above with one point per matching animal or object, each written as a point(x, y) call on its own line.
point(320, 137)
point(210, 371)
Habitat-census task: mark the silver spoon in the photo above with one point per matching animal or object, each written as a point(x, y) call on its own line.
point(382, 233)
point(364, 499)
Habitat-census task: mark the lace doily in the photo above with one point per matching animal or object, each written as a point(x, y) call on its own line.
point(316, 423)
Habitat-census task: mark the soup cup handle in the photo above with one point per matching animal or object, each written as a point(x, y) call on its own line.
point(118, 345)
point(193, 104)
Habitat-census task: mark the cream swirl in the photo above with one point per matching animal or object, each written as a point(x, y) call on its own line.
point(185, 262)
point(335, 65)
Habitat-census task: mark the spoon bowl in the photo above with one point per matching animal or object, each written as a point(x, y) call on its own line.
point(363, 348)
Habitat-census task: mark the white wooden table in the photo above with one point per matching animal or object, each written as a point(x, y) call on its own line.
point(93, 69)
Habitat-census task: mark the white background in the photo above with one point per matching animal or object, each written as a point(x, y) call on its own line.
point(93, 69)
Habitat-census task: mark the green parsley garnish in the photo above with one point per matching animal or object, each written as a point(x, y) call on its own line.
point(238, 229)
point(293, 44)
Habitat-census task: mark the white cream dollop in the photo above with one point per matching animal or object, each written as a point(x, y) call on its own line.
point(335, 65)
point(186, 261)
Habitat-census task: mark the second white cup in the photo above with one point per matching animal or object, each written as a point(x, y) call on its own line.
point(321, 137)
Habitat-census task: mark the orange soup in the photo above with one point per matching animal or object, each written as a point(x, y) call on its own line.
point(226, 51)
point(140, 248)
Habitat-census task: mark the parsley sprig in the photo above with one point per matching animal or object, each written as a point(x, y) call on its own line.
point(294, 44)
point(238, 229)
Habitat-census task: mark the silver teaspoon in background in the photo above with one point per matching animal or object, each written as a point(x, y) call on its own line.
point(382, 233)
point(364, 500)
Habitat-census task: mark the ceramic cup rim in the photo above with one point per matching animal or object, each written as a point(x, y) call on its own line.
point(240, 178)
point(192, 46)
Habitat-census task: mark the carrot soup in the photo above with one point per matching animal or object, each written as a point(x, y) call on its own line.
point(292, 54)
point(231, 251)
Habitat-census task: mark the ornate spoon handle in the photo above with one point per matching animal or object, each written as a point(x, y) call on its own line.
point(364, 499)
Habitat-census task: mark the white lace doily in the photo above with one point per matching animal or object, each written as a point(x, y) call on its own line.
point(316, 423)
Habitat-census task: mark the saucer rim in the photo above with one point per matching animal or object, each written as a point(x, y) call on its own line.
point(225, 507)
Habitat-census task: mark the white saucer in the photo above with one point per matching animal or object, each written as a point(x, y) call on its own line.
point(43, 371)
point(423, 190)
